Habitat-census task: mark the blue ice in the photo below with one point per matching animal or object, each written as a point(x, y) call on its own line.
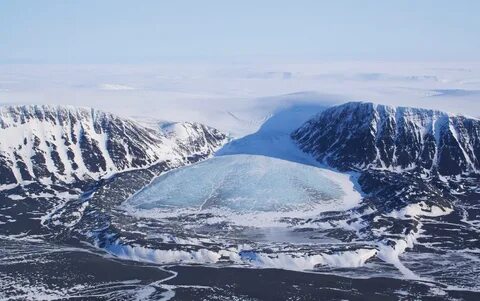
point(241, 183)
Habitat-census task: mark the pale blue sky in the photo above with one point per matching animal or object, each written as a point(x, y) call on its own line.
point(116, 31)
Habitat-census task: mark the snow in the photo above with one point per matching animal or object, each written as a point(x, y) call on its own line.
point(415, 123)
point(420, 209)
point(178, 130)
point(257, 183)
point(390, 253)
point(296, 261)
point(237, 97)
point(115, 87)
point(263, 160)
point(59, 128)
point(264, 171)
point(14, 134)
point(140, 253)
point(302, 262)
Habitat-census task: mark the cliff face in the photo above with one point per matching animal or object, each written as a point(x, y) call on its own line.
point(364, 135)
point(54, 143)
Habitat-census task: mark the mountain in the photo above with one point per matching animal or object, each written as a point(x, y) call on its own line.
point(68, 144)
point(360, 136)
point(97, 188)
point(193, 138)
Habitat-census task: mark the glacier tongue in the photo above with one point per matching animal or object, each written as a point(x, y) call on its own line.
point(246, 183)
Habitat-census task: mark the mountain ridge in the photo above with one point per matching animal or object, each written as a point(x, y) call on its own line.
point(363, 135)
point(68, 144)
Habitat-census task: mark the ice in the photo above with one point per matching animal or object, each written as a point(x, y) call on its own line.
point(302, 262)
point(262, 172)
point(296, 261)
point(231, 96)
point(245, 183)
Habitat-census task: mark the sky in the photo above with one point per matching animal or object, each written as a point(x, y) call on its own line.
point(232, 64)
point(120, 32)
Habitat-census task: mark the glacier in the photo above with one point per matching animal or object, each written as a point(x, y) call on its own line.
point(248, 183)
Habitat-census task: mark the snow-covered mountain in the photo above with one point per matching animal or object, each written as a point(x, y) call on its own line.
point(376, 223)
point(67, 144)
point(360, 135)
point(193, 138)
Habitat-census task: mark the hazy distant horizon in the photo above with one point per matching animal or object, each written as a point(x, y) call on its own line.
point(222, 94)
point(120, 32)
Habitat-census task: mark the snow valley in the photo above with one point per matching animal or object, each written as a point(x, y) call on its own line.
point(351, 191)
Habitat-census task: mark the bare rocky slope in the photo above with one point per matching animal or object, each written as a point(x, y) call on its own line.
point(363, 136)
point(57, 144)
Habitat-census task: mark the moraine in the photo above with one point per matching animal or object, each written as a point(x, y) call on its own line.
point(68, 176)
